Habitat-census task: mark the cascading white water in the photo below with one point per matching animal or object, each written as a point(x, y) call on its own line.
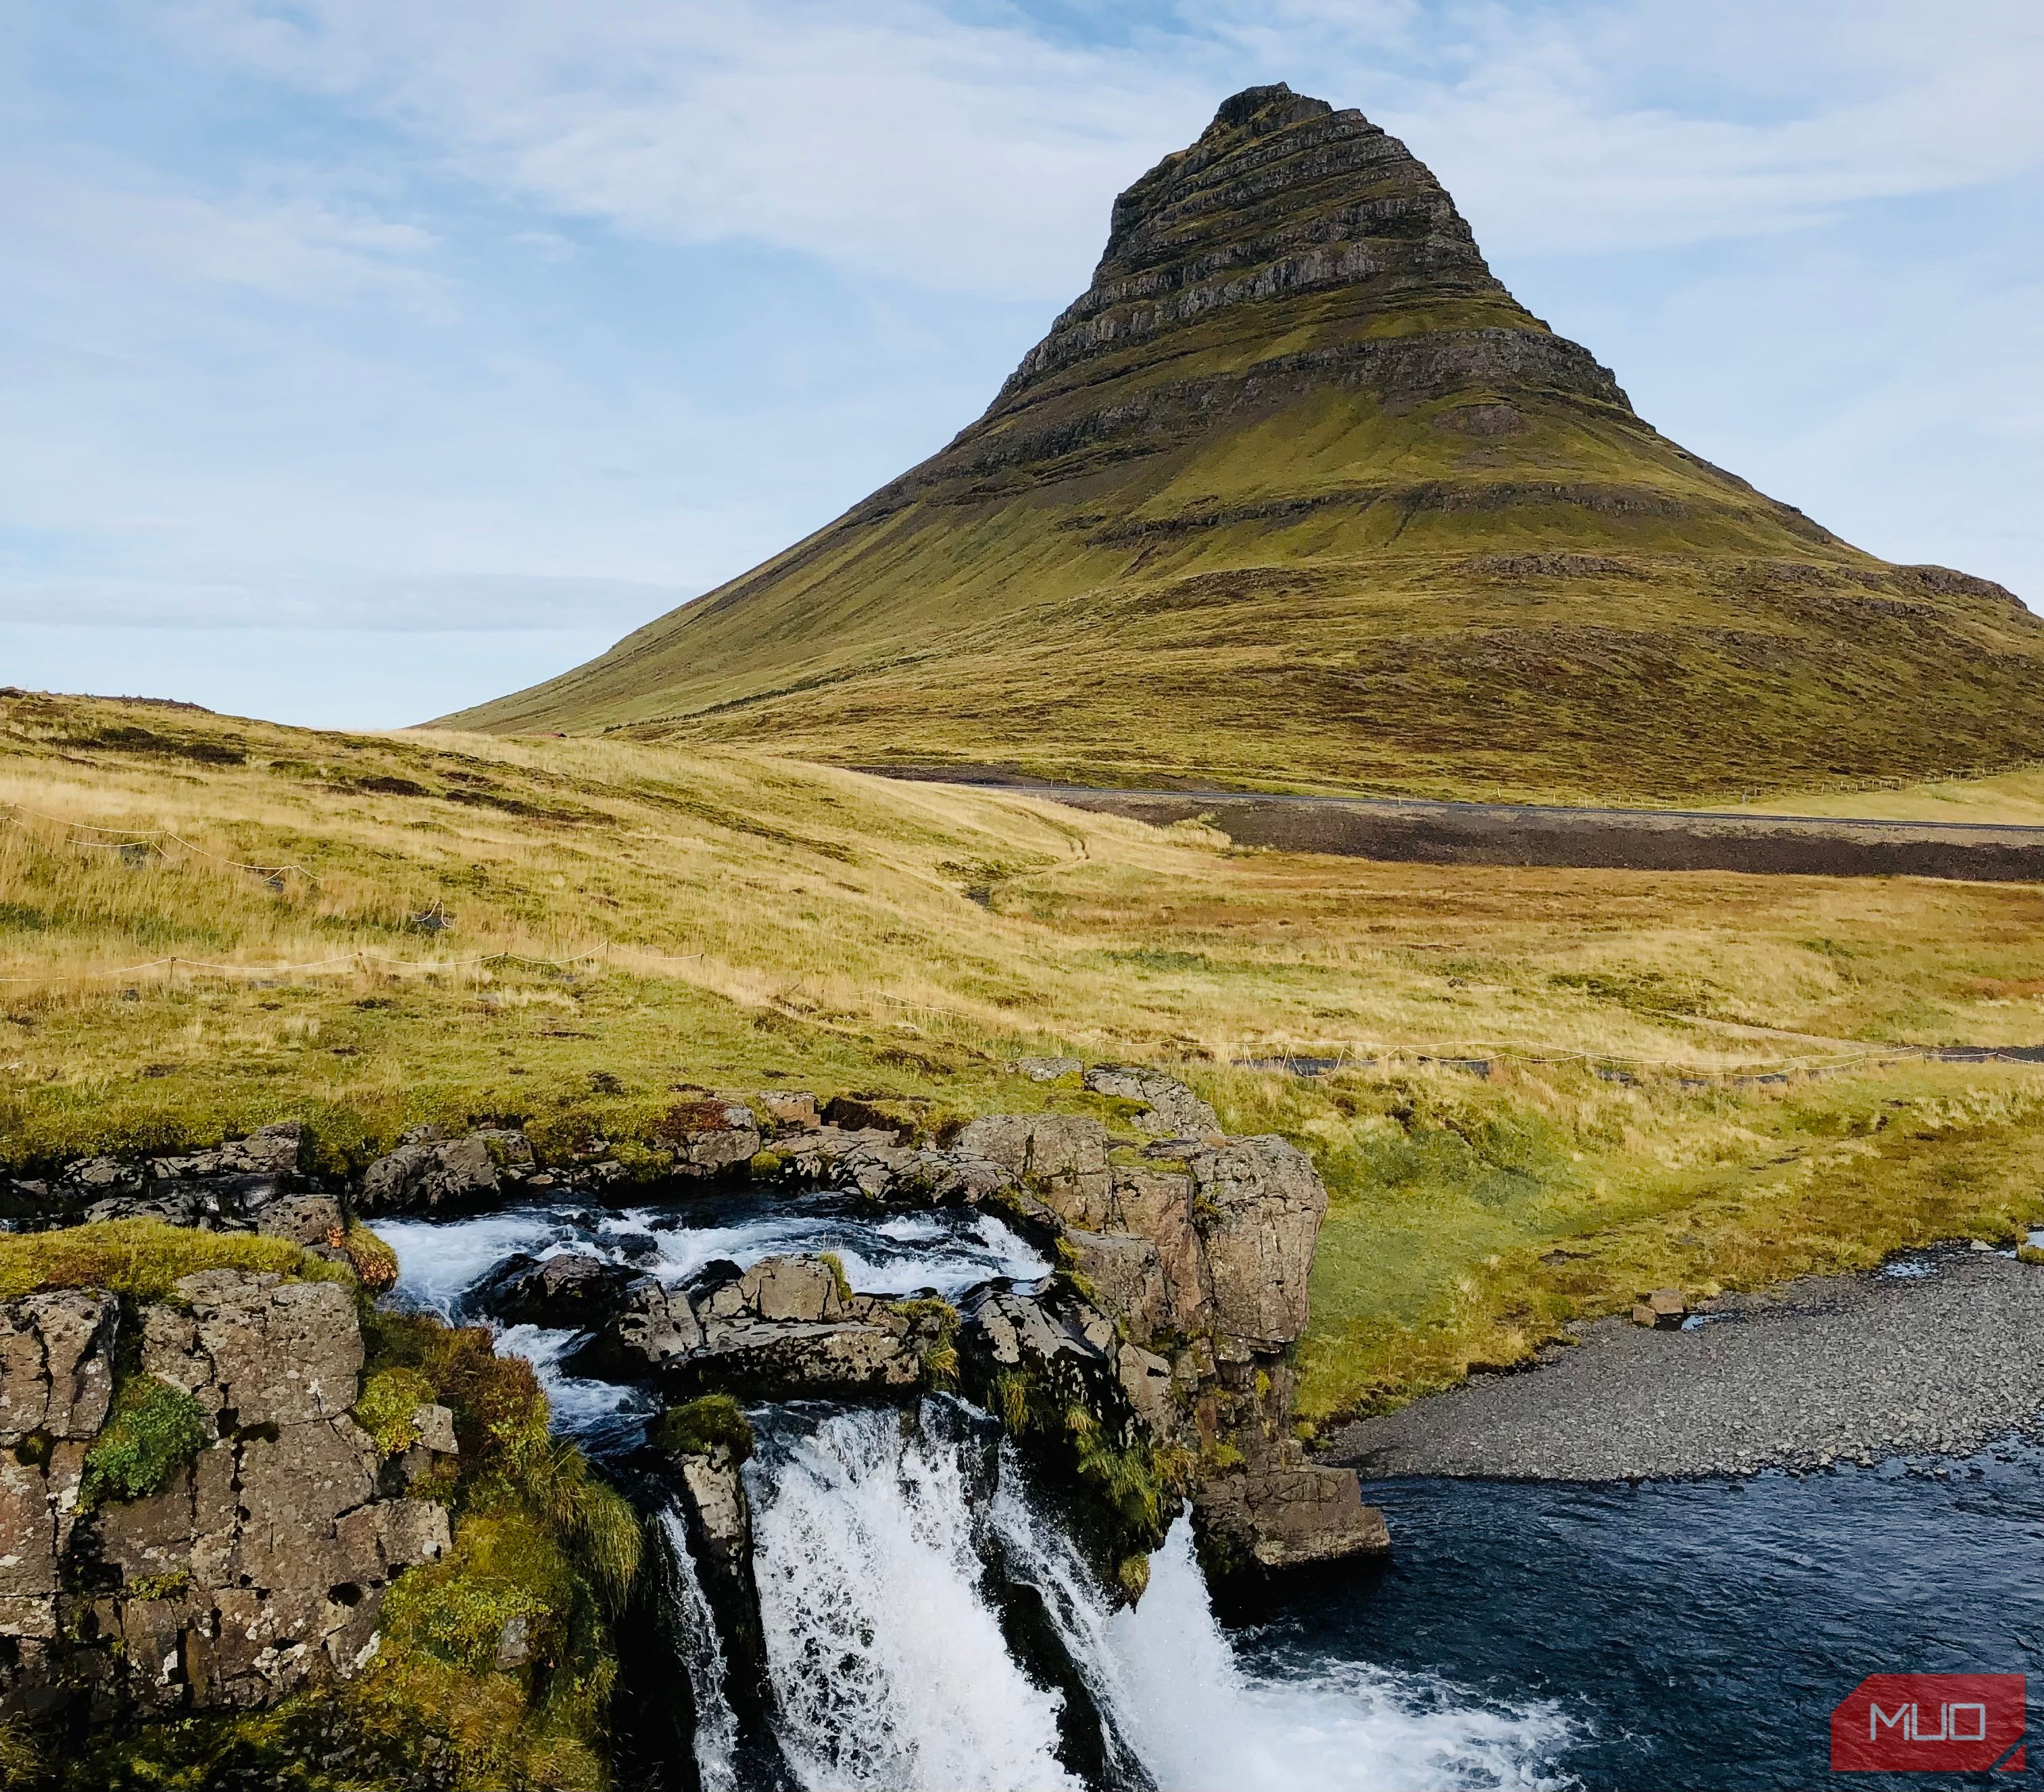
point(703, 1661)
point(889, 1668)
point(1173, 1687)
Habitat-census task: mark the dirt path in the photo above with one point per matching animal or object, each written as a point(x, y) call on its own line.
point(1470, 833)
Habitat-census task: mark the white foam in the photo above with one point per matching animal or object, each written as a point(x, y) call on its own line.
point(1173, 1690)
point(889, 1670)
point(703, 1661)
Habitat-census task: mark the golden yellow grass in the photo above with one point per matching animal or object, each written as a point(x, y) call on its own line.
point(681, 917)
point(2009, 798)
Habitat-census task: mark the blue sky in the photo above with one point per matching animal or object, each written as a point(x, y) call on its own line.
point(363, 358)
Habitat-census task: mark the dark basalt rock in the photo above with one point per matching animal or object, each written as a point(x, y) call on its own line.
point(570, 1290)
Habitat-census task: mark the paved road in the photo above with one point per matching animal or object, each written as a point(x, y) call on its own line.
point(1526, 834)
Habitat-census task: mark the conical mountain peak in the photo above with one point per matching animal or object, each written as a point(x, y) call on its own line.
point(1281, 196)
point(1296, 495)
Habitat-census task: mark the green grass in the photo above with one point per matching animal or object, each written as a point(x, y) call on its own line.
point(144, 1259)
point(741, 924)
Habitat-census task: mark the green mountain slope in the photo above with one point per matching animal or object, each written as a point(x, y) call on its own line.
point(1297, 494)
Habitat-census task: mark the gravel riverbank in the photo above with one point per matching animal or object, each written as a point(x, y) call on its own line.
point(1940, 1353)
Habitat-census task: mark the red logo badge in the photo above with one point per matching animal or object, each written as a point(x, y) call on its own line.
point(1929, 1723)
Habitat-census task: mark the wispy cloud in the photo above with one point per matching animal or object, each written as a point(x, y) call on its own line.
point(494, 315)
point(966, 149)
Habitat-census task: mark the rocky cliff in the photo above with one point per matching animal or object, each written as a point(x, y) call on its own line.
point(1297, 495)
point(221, 1534)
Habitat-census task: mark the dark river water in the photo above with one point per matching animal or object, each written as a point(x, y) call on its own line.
point(1696, 1634)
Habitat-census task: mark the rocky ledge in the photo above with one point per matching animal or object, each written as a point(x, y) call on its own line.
point(210, 1529)
point(1180, 1289)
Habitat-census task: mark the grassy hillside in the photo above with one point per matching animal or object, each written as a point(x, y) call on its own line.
point(1298, 497)
point(2012, 798)
point(207, 924)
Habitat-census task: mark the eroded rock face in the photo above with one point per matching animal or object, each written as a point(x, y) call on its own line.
point(1174, 1111)
point(1258, 1205)
point(1063, 1157)
point(261, 1562)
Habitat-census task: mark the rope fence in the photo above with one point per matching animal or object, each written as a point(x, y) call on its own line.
point(129, 840)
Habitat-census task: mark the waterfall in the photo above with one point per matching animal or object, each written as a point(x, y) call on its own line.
point(701, 1651)
point(889, 1668)
point(1176, 1693)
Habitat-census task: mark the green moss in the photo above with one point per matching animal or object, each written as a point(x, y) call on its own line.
point(703, 1425)
point(504, 1570)
point(153, 1431)
point(145, 1259)
point(388, 1400)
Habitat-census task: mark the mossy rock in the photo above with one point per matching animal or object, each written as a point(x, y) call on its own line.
point(713, 1421)
point(153, 1431)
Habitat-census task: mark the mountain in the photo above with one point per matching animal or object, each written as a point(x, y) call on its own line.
point(1296, 494)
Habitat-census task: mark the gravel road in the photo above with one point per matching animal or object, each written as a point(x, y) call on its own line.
point(1939, 1360)
point(1476, 833)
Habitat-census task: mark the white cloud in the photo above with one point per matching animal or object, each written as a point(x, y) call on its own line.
point(899, 138)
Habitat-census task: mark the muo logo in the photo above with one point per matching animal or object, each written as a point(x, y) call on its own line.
point(1929, 1723)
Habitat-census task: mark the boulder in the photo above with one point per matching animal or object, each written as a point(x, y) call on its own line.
point(709, 1138)
point(1062, 1158)
point(799, 1288)
point(1047, 1070)
point(1292, 1517)
point(654, 1325)
point(572, 1290)
point(303, 1219)
point(787, 1109)
point(433, 1173)
point(1174, 1111)
point(1664, 1309)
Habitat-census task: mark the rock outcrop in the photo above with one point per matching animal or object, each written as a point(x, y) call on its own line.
point(259, 1561)
point(1194, 1271)
point(784, 1329)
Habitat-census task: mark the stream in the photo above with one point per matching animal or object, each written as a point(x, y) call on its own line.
point(1679, 1634)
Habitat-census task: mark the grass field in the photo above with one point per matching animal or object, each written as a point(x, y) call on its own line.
point(1692, 1078)
point(2012, 798)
